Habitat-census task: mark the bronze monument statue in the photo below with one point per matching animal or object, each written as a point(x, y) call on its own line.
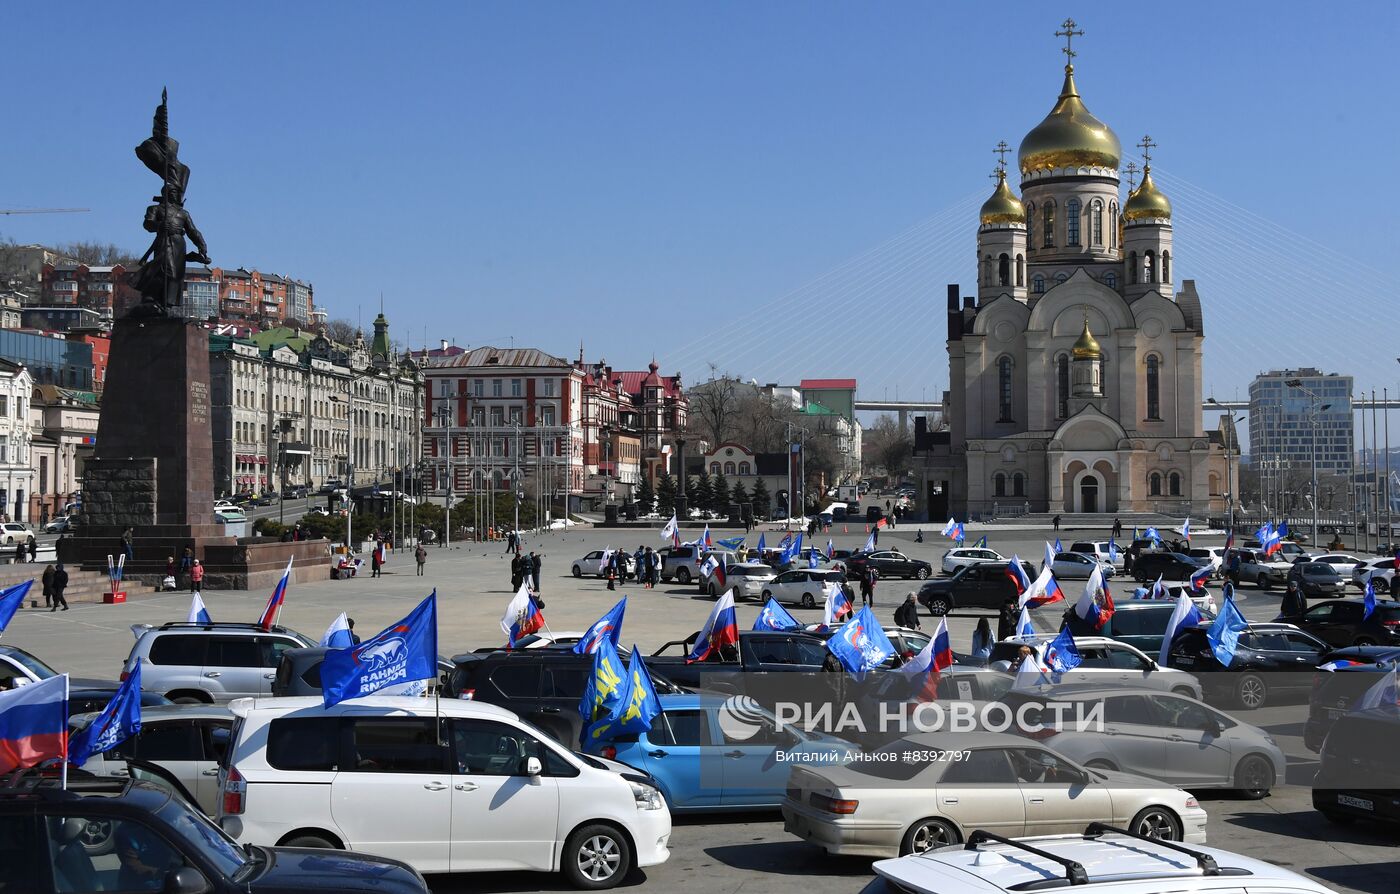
point(161, 277)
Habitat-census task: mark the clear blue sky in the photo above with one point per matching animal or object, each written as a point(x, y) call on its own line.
point(653, 177)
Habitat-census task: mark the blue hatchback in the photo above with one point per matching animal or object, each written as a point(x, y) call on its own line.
point(706, 757)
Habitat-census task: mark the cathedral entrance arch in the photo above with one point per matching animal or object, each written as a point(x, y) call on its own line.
point(1088, 494)
point(1090, 485)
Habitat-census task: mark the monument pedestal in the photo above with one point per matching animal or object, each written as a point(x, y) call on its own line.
point(152, 468)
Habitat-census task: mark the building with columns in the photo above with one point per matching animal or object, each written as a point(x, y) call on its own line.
point(1075, 373)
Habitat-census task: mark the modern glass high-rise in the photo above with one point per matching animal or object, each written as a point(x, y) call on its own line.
point(1281, 422)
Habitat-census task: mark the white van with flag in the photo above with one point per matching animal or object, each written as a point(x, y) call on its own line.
point(459, 786)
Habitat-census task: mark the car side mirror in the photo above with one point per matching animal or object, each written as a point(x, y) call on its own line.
point(533, 767)
point(187, 880)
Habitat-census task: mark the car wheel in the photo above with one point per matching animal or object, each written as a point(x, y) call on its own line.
point(1251, 691)
point(1263, 582)
point(921, 574)
point(578, 572)
point(927, 834)
point(809, 601)
point(1157, 822)
point(1254, 777)
point(596, 857)
point(1363, 641)
point(683, 575)
point(939, 606)
point(315, 841)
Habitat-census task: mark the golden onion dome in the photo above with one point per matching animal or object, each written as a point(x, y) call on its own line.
point(1147, 201)
point(1087, 347)
point(1003, 207)
point(1069, 136)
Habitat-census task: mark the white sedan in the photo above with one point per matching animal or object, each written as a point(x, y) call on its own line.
point(591, 564)
point(954, 559)
point(954, 784)
point(805, 587)
point(1341, 562)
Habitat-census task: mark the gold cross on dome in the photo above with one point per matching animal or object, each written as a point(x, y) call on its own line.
point(997, 172)
point(1069, 34)
point(1146, 146)
point(1132, 170)
point(1000, 151)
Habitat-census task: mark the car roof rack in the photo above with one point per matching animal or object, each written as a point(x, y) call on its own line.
point(220, 625)
point(1205, 862)
point(1074, 870)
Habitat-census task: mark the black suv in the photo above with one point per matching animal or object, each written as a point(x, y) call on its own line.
point(1272, 662)
point(1333, 694)
point(1340, 622)
point(1168, 566)
point(104, 834)
point(1357, 777)
point(889, 563)
point(983, 585)
point(543, 686)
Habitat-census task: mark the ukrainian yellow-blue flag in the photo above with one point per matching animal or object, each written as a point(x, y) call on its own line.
point(603, 693)
point(639, 704)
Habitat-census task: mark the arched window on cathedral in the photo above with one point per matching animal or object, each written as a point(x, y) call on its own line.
point(1004, 270)
point(987, 270)
point(1072, 222)
point(728, 468)
point(1018, 485)
point(998, 485)
point(1110, 279)
point(1112, 224)
point(1166, 266)
point(1096, 221)
point(1004, 390)
point(1061, 276)
point(1062, 386)
point(1020, 271)
point(1154, 397)
point(1174, 484)
point(1149, 267)
point(1154, 484)
point(1030, 226)
point(1048, 221)
point(1132, 268)
point(1038, 284)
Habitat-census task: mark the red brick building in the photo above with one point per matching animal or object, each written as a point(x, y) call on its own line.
point(99, 288)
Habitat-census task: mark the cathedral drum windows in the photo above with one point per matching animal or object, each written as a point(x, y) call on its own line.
point(1072, 222)
point(1048, 219)
point(1132, 268)
point(1096, 221)
point(1004, 389)
point(1149, 267)
point(1004, 270)
point(1154, 393)
point(1166, 266)
point(1154, 484)
point(1038, 284)
point(1020, 271)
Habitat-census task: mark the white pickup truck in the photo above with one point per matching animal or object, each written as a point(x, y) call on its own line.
point(1261, 570)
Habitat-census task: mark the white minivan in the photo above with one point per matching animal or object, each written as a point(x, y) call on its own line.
point(471, 788)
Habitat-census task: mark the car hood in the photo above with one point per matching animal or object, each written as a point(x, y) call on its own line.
point(311, 869)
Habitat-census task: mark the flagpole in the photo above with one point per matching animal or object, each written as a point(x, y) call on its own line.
point(63, 771)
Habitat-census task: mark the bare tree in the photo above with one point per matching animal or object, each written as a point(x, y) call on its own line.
point(341, 331)
point(885, 446)
point(712, 408)
point(98, 254)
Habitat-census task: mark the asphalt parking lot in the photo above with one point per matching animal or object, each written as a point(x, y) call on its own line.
point(750, 853)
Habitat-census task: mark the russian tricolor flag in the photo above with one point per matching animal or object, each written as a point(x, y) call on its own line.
point(1198, 579)
point(274, 602)
point(1044, 591)
point(1017, 572)
point(34, 724)
point(522, 616)
point(721, 629)
point(198, 613)
point(1088, 607)
point(931, 661)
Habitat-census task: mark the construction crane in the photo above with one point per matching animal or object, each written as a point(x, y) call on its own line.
point(42, 210)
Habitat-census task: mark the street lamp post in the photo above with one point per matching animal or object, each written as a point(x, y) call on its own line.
point(1316, 408)
point(1229, 472)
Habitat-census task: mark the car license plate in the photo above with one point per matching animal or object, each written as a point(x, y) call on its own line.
point(1186, 661)
point(1358, 803)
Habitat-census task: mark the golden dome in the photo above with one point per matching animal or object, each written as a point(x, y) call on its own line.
point(1087, 347)
point(1147, 202)
point(1003, 206)
point(1069, 136)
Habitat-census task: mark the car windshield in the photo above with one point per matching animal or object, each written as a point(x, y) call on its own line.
point(1142, 622)
point(209, 839)
point(32, 664)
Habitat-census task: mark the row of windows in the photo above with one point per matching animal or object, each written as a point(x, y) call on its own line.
point(1154, 484)
point(1075, 220)
point(1110, 279)
point(1148, 267)
point(1018, 484)
point(730, 468)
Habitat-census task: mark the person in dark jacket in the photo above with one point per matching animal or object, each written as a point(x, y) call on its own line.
point(1007, 618)
point(33, 548)
point(21, 551)
point(907, 615)
point(535, 569)
point(60, 583)
point(1294, 602)
point(48, 587)
point(517, 562)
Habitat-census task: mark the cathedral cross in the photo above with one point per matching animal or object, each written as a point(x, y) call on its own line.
point(1132, 170)
point(1147, 146)
point(1069, 34)
point(1000, 151)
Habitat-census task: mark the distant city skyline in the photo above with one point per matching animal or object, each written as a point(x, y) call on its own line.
point(778, 191)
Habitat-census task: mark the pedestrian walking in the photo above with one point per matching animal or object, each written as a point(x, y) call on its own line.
point(517, 566)
point(919, 536)
point(374, 563)
point(1117, 528)
point(186, 561)
point(982, 640)
point(907, 615)
point(1006, 619)
point(611, 570)
point(127, 551)
point(60, 583)
point(535, 569)
point(48, 587)
point(196, 577)
point(420, 555)
point(1056, 521)
point(1294, 602)
point(21, 552)
point(33, 548)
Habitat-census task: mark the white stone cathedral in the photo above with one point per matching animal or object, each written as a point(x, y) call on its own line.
point(1075, 375)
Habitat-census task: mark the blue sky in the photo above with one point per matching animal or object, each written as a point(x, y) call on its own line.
point(655, 178)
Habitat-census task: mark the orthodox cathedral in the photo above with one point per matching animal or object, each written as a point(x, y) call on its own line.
point(1075, 373)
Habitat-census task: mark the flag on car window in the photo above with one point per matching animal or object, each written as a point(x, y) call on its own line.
point(119, 721)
